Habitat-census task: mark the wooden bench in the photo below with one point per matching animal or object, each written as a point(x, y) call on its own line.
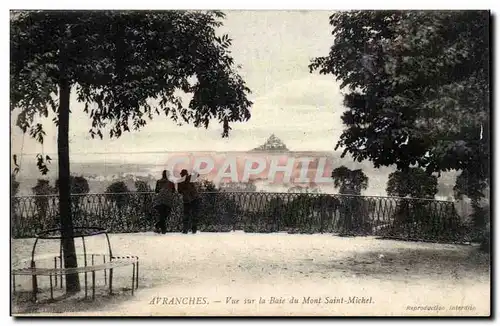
point(98, 262)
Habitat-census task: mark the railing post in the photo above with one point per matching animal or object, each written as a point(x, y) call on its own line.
point(322, 213)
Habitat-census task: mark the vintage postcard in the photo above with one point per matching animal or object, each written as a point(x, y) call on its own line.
point(250, 163)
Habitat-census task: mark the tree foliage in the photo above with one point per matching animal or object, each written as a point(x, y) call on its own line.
point(14, 185)
point(126, 66)
point(78, 185)
point(116, 192)
point(469, 184)
point(414, 182)
point(42, 190)
point(238, 186)
point(416, 88)
point(117, 187)
point(303, 190)
point(350, 182)
point(14, 189)
point(205, 185)
point(142, 186)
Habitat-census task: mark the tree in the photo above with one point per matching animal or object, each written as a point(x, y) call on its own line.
point(469, 185)
point(118, 193)
point(303, 190)
point(238, 187)
point(42, 190)
point(127, 65)
point(417, 88)
point(219, 208)
point(115, 192)
point(205, 185)
point(297, 212)
point(78, 185)
point(14, 189)
point(351, 182)
point(142, 186)
point(414, 182)
point(142, 200)
point(275, 209)
point(14, 185)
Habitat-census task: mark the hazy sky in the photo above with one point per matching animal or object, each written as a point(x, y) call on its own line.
point(274, 49)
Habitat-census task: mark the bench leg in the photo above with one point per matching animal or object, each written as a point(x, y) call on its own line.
point(60, 277)
point(133, 278)
point(93, 285)
point(137, 275)
point(111, 281)
point(13, 284)
point(105, 276)
point(51, 288)
point(34, 283)
point(35, 287)
point(86, 287)
point(55, 267)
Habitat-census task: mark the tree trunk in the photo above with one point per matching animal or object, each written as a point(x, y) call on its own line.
point(68, 242)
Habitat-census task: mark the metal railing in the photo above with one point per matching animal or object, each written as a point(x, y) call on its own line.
point(404, 218)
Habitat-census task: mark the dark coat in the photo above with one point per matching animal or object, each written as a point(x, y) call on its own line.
point(164, 193)
point(188, 190)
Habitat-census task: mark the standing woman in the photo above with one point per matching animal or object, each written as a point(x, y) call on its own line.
point(162, 202)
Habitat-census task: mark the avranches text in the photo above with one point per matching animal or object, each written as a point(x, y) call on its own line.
point(179, 301)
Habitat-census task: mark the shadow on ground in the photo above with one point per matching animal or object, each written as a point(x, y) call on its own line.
point(62, 303)
point(22, 304)
point(248, 261)
point(461, 264)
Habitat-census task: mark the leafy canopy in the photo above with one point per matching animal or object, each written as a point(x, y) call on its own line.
point(142, 186)
point(117, 187)
point(78, 185)
point(416, 87)
point(350, 182)
point(470, 184)
point(14, 185)
point(414, 182)
point(116, 192)
point(42, 188)
point(126, 66)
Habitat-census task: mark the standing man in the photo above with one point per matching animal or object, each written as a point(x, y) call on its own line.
point(162, 202)
point(191, 201)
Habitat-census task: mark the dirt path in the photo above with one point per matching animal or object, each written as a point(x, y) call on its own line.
point(213, 274)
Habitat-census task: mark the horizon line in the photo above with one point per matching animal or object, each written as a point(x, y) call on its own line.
point(186, 151)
